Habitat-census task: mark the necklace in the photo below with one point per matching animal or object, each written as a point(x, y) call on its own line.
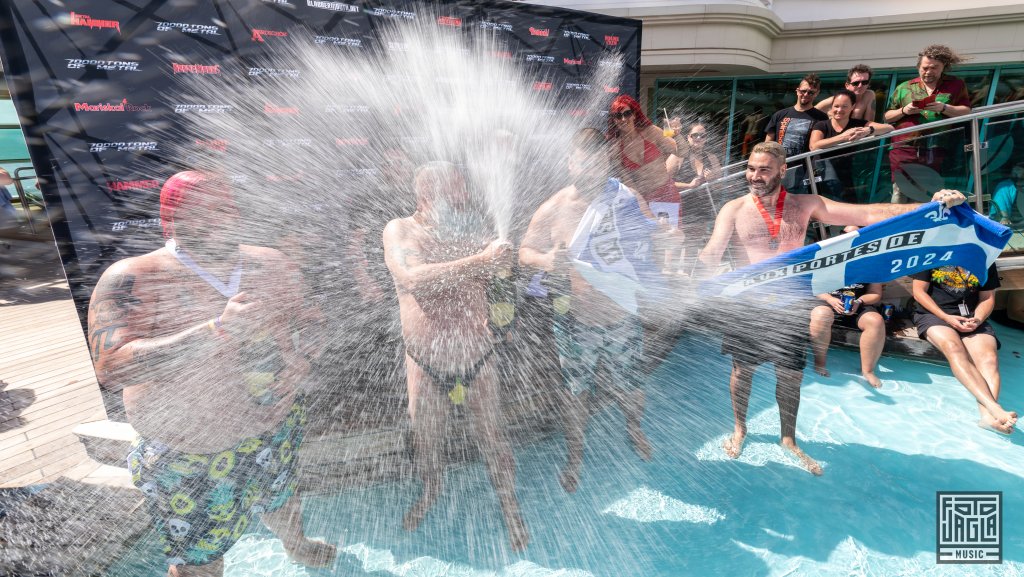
point(773, 225)
point(228, 289)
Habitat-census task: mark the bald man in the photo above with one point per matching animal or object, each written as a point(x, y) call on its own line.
point(196, 335)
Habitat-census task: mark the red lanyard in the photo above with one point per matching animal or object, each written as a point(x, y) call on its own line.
point(773, 226)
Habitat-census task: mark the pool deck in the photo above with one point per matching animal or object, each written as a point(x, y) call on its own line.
point(47, 383)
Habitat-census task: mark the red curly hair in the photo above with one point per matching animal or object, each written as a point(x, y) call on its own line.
point(622, 103)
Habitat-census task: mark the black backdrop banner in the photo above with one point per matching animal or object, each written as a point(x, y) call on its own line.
point(94, 82)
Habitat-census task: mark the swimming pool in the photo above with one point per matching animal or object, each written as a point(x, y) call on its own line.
point(692, 511)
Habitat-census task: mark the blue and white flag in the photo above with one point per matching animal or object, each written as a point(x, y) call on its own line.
point(923, 239)
point(612, 248)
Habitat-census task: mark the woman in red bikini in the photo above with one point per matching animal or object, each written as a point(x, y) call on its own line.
point(642, 151)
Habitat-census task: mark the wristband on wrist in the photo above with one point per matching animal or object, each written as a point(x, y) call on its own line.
point(871, 130)
point(216, 326)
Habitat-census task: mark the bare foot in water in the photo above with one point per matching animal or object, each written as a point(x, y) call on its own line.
point(821, 370)
point(312, 552)
point(808, 463)
point(990, 424)
point(640, 443)
point(873, 380)
point(733, 445)
point(418, 511)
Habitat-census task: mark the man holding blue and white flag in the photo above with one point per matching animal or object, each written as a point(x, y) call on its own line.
point(593, 244)
point(765, 224)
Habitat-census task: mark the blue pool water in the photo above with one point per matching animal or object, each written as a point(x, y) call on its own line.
point(692, 511)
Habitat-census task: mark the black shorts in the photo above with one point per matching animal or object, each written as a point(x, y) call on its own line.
point(925, 321)
point(852, 320)
point(778, 336)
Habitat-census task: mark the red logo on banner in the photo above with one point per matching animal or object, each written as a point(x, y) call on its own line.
point(578, 112)
point(195, 69)
point(219, 144)
point(123, 106)
point(269, 108)
point(90, 22)
point(118, 185)
point(357, 141)
point(502, 54)
point(573, 61)
point(611, 89)
point(449, 21)
point(542, 85)
point(257, 35)
point(539, 31)
point(611, 40)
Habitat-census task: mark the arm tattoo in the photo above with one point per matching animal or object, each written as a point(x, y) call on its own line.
point(110, 309)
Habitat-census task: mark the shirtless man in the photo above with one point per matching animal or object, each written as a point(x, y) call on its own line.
point(442, 261)
point(858, 81)
point(761, 232)
point(594, 329)
point(196, 336)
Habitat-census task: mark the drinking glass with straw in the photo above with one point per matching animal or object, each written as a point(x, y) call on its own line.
point(667, 131)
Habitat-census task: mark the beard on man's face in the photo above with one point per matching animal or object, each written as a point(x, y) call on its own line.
point(763, 187)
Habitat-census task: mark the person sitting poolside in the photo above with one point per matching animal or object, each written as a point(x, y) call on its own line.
point(863, 314)
point(952, 313)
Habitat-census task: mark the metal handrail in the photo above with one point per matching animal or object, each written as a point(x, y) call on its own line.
point(981, 112)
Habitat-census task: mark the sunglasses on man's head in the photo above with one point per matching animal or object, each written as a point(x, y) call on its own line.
point(860, 83)
point(622, 115)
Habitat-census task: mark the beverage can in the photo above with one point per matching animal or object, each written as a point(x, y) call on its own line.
point(847, 303)
point(887, 312)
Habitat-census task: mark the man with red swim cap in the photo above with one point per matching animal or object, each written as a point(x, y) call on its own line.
point(196, 334)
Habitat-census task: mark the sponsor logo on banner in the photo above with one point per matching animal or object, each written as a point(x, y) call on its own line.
point(218, 144)
point(196, 68)
point(258, 35)
point(611, 40)
point(274, 72)
point(203, 108)
point(123, 146)
point(609, 64)
point(576, 86)
point(575, 34)
point(542, 85)
point(335, 6)
point(119, 185)
point(269, 108)
point(356, 141)
point(502, 54)
point(123, 225)
point(500, 26)
point(540, 31)
point(391, 13)
point(540, 58)
point(577, 112)
point(105, 65)
point(298, 176)
point(188, 28)
point(123, 106)
point(281, 2)
point(573, 61)
point(287, 142)
point(347, 109)
point(611, 89)
point(90, 22)
point(339, 41)
point(397, 46)
point(449, 21)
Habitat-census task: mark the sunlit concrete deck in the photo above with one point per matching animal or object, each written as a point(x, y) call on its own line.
point(47, 383)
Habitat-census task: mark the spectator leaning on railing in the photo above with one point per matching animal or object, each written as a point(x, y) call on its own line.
point(931, 96)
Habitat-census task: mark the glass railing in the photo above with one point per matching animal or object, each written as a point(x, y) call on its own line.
point(980, 154)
